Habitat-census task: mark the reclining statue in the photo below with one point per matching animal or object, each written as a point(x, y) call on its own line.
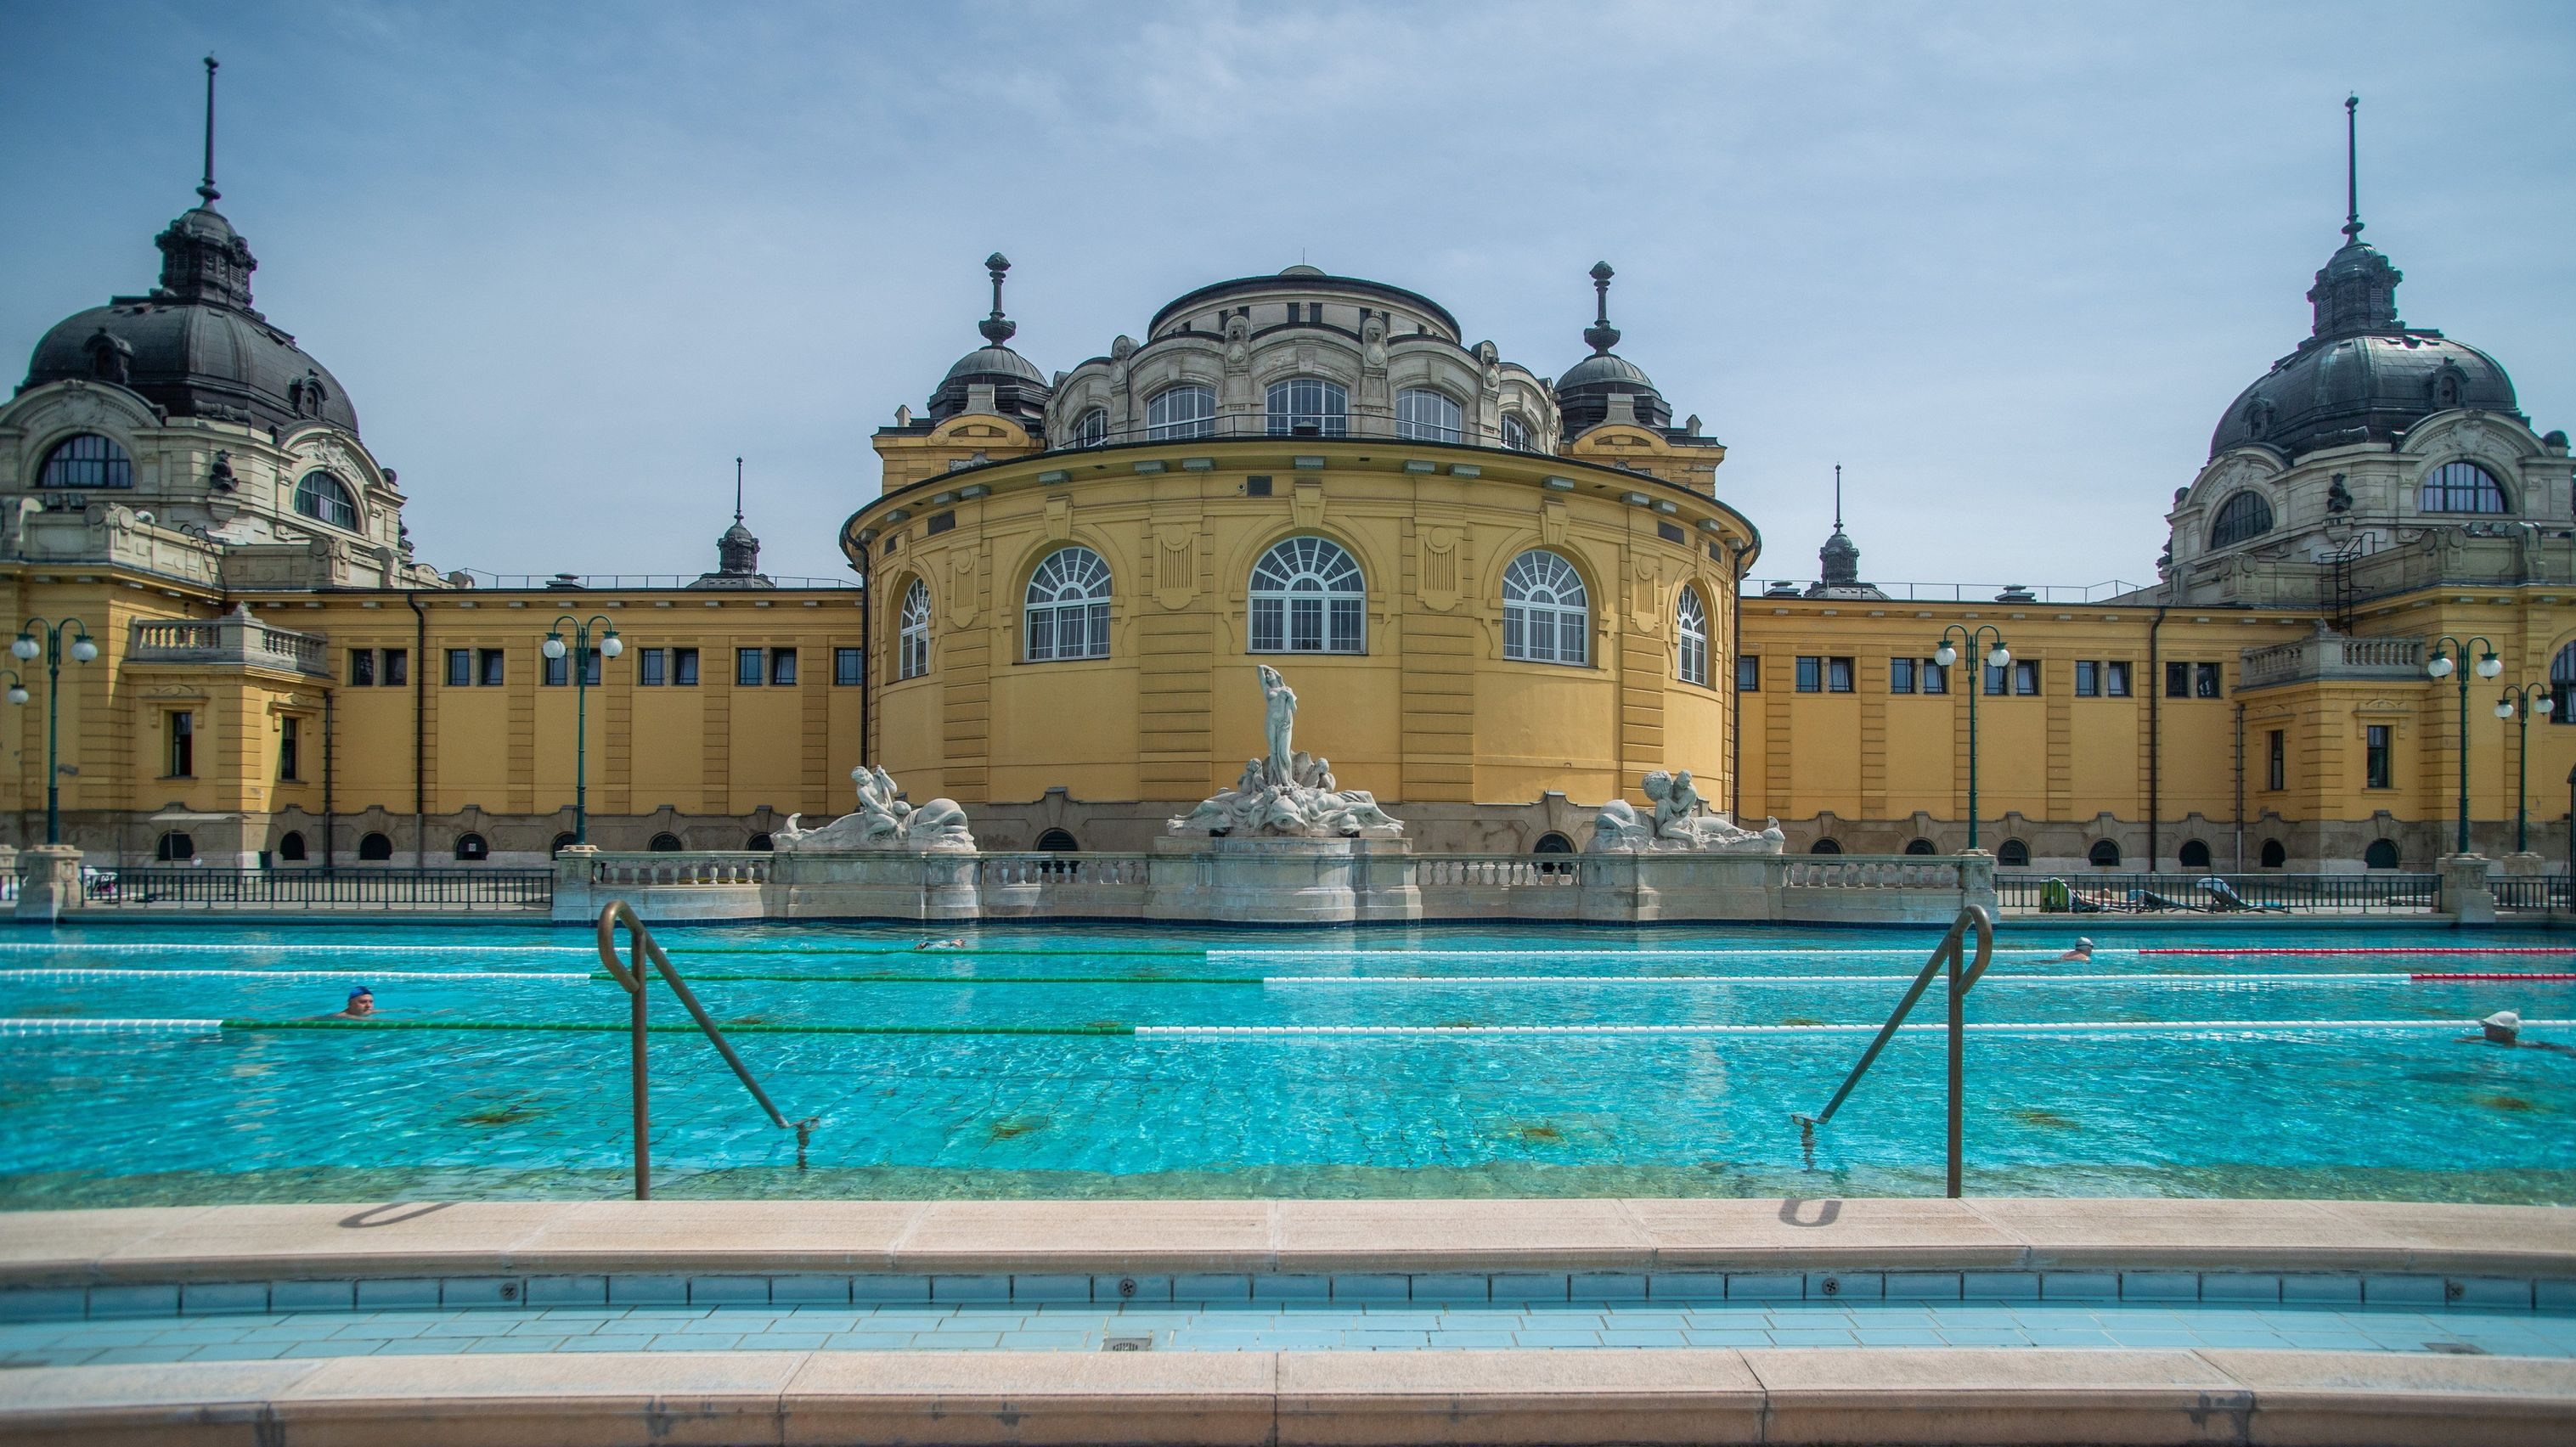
point(1676, 824)
point(883, 821)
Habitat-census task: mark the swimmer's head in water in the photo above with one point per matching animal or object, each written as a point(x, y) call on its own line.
point(2083, 944)
point(2502, 1027)
point(362, 1001)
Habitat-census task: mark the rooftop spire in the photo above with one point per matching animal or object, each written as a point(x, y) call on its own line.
point(2351, 169)
point(997, 328)
point(206, 185)
point(2356, 292)
point(737, 490)
point(1601, 336)
point(1838, 497)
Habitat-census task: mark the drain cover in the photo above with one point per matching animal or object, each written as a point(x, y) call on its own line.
point(2455, 1348)
point(1128, 1344)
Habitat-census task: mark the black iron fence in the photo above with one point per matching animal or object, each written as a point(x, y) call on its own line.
point(2377, 892)
point(2530, 891)
point(397, 889)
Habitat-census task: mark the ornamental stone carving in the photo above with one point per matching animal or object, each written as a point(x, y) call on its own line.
point(883, 821)
point(1287, 794)
point(1676, 824)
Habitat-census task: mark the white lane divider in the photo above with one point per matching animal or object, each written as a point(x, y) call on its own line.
point(2065, 1027)
point(1891, 952)
point(2206, 981)
point(298, 976)
point(46, 1025)
point(86, 947)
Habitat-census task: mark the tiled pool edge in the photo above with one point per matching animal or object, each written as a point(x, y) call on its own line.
point(1900, 1395)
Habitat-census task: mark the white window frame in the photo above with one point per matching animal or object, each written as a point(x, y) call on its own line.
point(912, 632)
point(1308, 596)
point(320, 481)
point(1547, 611)
point(1065, 613)
point(1319, 400)
point(1167, 419)
point(1091, 429)
point(1427, 414)
point(1690, 625)
point(1512, 424)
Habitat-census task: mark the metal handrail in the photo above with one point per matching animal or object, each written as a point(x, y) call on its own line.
point(631, 975)
point(1952, 951)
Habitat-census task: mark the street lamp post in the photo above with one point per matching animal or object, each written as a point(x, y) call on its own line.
point(2517, 703)
point(2443, 665)
point(26, 648)
point(609, 647)
point(1997, 657)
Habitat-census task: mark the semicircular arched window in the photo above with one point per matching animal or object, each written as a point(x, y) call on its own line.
point(1516, 433)
point(1920, 846)
point(1181, 412)
point(290, 847)
point(1091, 429)
point(1547, 615)
point(375, 849)
point(912, 632)
point(326, 499)
point(2382, 854)
point(2274, 856)
point(2562, 685)
point(2462, 487)
point(1307, 597)
point(1424, 415)
point(1067, 613)
point(1309, 407)
point(174, 848)
point(2014, 853)
point(1690, 624)
point(2105, 854)
point(1826, 846)
point(666, 844)
point(1058, 841)
point(2245, 515)
point(86, 460)
point(2194, 855)
point(472, 848)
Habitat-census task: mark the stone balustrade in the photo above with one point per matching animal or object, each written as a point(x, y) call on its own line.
point(679, 870)
point(234, 640)
point(2330, 656)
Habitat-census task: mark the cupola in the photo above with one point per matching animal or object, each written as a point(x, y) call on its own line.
point(1584, 392)
point(1018, 390)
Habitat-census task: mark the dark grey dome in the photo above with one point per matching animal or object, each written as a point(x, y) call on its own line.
point(995, 362)
point(1606, 367)
point(1583, 393)
point(1019, 389)
point(195, 347)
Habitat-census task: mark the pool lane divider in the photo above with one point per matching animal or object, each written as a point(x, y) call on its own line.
point(909, 979)
point(54, 1025)
point(74, 973)
point(2358, 950)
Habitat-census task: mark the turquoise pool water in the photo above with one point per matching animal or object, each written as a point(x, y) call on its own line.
point(166, 1063)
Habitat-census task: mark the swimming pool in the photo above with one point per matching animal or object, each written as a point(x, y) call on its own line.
point(153, 1064)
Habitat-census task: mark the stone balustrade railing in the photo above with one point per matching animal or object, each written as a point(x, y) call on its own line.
point(1812, 871)
point(232, 639)
point(660, 871)
point(2328, 657)
point(1539, 871)
point(1087, 871)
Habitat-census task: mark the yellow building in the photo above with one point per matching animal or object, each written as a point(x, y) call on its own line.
point(1504, 597)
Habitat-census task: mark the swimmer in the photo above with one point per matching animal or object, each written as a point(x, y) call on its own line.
point(362, 1004)
point(941, 945)
point(2504, 1027)
point(2082, 954)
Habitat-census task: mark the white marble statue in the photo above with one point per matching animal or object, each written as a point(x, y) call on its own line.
point(883, 821)
point(1284, 793)
point(1678, 823)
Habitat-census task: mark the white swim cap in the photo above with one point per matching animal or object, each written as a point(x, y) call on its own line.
point(2503, 1020)
point(2082, 943)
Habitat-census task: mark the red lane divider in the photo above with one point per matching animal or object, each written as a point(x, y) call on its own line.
point(2493, 977)
point(2348, 950)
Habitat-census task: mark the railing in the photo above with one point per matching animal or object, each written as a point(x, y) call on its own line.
point(2530, 891)
point(2376, 892)
point(140, 887)
point(1506, 871)
point(2334, 657)
point(2041, 594)
point(236, 638)
point(616, 582)
point(1952, 951)
point(1812, 871)
point(653, 871)
point(632, 976)
point(1086, 870)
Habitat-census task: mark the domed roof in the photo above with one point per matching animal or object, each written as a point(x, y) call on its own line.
point(2368, 387)
point(195, 346)
point(995, 362)
point(1584, 391)
point(1603, 367)
point(1019, 389)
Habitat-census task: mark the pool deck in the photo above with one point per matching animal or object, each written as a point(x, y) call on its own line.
point(2031, 1394)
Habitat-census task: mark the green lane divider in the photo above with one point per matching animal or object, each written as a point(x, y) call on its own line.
point(892, 979)
point(586, 1027)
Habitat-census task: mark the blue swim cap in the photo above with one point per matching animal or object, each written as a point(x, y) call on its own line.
point(361, 990)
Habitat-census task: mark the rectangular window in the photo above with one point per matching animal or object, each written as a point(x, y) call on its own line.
point(558, 671)
point(2025, 677)
point(397, 669)
point(1811, 674)
point(2088, 678)
point(2204, 679)
point(1933, 677)
point(1670, 533)
point(2115, 680)
point(782, 667)
point(488, 662)
point(1900, 675)
point(940, 522)
point(183, 746)
point(746, 667)
point(684, 668)
point(2276, 763)
point(290, 739)
point(2177, 680)
point(362, 668)
point(2377, 777)
point(650, 667)
point(849, 667)
point(1838, 675)
point(460, 667)
point(1748, 672)
point(1994, 679)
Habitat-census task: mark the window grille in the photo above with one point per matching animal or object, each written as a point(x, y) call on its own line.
point(2462, 487)
point(86, 460)
point(1690, 623)
point(1307, 597)
point(912, 632)
point(1309, 407)
point(1176, 413)
point(1547, 615)
point(1427, 416)
point(1066, 611)
point(325, 498)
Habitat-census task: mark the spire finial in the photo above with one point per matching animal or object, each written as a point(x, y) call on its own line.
point(1601, 336)
point(1838, 497)
point(997, 328)
point(737, 489)
point(206, 186)
point(2351, 169)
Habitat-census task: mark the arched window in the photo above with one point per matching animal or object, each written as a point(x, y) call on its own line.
point(2103, 855)
point(562, 843)
point(1552, 842)
point(1306, 598)
point(912, 632)
point(2245, 515)
point(174, 848)
point(325, 498)
point(1919, 846)
point(666, 844)
point(1547, 616)
point(760, 844)
point(1690, 624)
point(2462, 487)
point(1181, 412)
point(86, 460)
point(376, 849)
point(472, 848)
point(2014, 853)
point(1826, 846)
point(1427, 416)
point(1516, 433)
point(1068, 607)
point(2274, 856)
point(1058, 841)
point(2382, 854)
point(291, 847)
point(1309, 407)
point(2194, 855)
point(2562, 685)
point(1091, 429)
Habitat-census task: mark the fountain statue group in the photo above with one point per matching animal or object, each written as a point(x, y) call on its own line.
point(1676, 824)
point(1287, 794)
point(884, 821)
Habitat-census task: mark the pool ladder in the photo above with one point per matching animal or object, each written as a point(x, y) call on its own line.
point(631, 974)
point(1964, 973)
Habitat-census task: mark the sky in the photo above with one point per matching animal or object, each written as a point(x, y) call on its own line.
point(2006, 264)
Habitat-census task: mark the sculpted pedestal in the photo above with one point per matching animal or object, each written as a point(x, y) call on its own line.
point(1276, 880)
